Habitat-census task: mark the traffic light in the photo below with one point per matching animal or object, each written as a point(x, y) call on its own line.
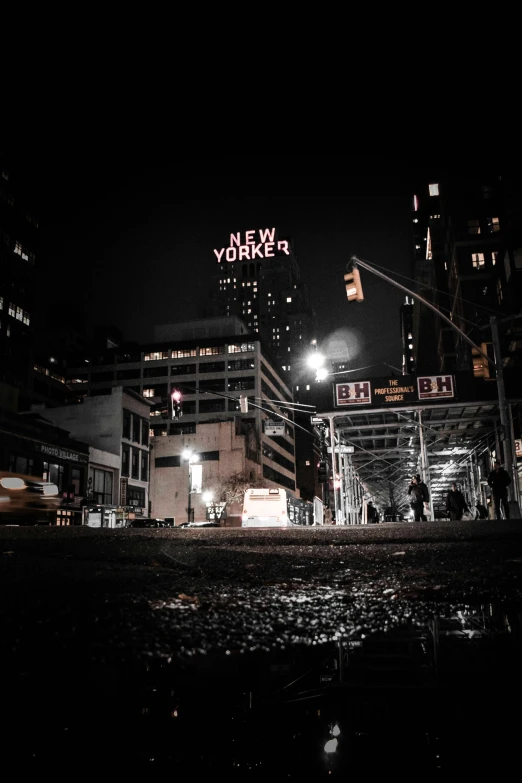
point(175, 397)
point(353, 286)
point(322, 472)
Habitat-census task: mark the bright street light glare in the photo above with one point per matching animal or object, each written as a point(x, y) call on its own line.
point(322, 373)
point(315, 360)
point(207, 496)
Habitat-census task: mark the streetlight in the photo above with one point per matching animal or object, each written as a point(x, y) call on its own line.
point(190, 457)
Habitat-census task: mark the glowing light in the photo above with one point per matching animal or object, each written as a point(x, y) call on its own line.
point(331, 746)
point(316, 360)
point(12, 483)
point(336, 730)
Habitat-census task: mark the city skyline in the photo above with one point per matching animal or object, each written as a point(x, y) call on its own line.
point(134, 244)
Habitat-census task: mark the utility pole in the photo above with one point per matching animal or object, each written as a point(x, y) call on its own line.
point(504, 422)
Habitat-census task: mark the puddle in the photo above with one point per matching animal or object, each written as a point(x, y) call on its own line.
point(434, 693)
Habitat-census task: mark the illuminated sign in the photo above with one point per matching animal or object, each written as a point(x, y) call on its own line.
point(518, 448)
point(264, 246)
point(435, 386)
point(390, 391)
point(356, 393)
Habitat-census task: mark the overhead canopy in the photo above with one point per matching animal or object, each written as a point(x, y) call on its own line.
point(387, 444)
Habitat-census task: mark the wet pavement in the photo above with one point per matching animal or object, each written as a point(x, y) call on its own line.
point(296, 654)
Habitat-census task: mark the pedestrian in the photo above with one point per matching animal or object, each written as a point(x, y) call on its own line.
point(455, 503)
point(419, 496)
point(499, 480)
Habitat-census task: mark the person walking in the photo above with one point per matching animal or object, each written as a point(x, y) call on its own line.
point(499, 480)
point(455, 503)
point(419, 495)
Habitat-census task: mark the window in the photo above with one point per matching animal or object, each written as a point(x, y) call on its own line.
point(101, 486)
point(144, 465)
point(125, 460)
point(148, 392)
point(493, 225)
point(213, 351)
point(144, 432)
point(183, 369)
point(182, 429)
point(494, 255)
point(239, 384)
point(434, 189)
point(288, 298)
point(126, 424)
point(211, 367)
point(184, 354)
point(474, 226)
point(243, 348)
point(211, 406)
point(478, 260)
point(155, 355)
point(136, 496)
point(136, 421)
point(135, 467)
point(214, 384)
point(155, 372)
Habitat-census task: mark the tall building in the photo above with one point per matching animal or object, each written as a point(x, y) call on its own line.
point(259, 280)
point(408, 345)
point(18, 290)
point(466, 236)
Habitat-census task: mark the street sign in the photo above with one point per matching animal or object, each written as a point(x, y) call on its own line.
point(274, 428)
point(342, 449)
point(518, 448)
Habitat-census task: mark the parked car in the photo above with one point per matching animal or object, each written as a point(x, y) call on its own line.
point(199, 524)
point(147, 522)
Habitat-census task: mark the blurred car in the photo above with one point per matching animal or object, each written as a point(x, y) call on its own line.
point(199, 524)
point(27, 500)
point(148, 522)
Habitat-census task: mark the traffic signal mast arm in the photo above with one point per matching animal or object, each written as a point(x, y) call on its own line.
point(365, 265)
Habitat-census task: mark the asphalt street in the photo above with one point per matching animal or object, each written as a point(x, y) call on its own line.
point(83, 608)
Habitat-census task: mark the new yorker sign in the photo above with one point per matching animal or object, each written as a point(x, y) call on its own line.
point(255, 244)
point(390, 391)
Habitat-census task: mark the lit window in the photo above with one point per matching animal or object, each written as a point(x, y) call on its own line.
point(11, 309)
point(307, 463)
point(494, 255)
point(434, 217)
point(18, 248)
point(415, 220)
point(478, 260)
point(297, 387)
point(410, 336)
point(288, 347)
point(410, 345)
point(148, 392)
point(417, 247)
point(415, 203)
point(434, 189)
point(474, 226)
point(307, 387)
point(493, 225)
point(288, 298)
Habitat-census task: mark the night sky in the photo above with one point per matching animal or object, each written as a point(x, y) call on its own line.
point(132, 240)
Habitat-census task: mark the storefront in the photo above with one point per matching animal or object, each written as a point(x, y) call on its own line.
point(33, 447)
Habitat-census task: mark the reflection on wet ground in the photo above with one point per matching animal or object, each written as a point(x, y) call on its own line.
point(434, 694)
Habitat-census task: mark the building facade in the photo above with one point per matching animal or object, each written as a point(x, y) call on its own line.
point(219, 378)
point(116, 427)
point(18, 290)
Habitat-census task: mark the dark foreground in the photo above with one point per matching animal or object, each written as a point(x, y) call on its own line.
point(307, 654)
